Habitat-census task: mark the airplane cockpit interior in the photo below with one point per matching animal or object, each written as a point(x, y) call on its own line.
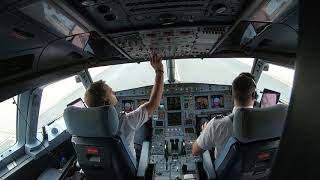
point(53, 50)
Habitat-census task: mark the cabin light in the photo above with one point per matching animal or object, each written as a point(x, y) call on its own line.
point(88, 2)
point(219, 8)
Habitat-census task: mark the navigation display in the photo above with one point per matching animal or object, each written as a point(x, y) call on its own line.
point(173, 103)
point(127, 105)
point(217, 101)
point(201, 102)
point(174, 119)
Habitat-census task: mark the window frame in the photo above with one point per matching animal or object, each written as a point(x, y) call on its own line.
point(17, 150)
point(33, 146)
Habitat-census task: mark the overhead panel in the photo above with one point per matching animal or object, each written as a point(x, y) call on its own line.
point(169, 42)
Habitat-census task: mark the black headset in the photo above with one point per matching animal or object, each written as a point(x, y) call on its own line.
point(249, 75)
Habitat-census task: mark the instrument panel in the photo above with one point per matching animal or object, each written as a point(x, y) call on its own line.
point(183, 109)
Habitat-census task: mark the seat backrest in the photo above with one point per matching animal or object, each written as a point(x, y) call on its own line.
point(100, 149)
point(250, 153)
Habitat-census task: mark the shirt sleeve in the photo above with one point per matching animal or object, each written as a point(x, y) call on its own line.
point(206, 139)
point(137, 117)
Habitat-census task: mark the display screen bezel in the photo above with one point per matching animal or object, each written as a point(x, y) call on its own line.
point(195, 102)
point(178, 124)
point(269, 91)
point(169, 105)
point(220, 96)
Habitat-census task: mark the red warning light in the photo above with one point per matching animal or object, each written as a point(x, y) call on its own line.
point(92, 151)
point(264, 156)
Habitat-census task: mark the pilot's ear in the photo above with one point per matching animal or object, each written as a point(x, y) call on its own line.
point(107, 102)
point(254, 96)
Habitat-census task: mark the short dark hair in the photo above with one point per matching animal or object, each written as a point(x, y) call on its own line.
point(95, 95)
point(243, 88)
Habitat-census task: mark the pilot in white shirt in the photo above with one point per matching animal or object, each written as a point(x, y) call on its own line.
point(217, 132)
point(130, 122)
point(100, 94)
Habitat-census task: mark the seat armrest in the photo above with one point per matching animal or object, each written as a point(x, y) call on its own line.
point(143, 162)
point(208, 165)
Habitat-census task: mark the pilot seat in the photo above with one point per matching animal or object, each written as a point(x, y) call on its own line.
point(101, 150)
point(250, 153)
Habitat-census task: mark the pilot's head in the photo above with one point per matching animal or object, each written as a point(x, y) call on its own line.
point(100, 94)
point(244, 90)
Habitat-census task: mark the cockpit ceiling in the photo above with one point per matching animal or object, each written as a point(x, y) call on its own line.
point(126, 15)
point(170, 42)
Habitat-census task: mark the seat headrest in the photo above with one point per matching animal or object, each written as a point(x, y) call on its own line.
point(253, 124)
point(91, 122)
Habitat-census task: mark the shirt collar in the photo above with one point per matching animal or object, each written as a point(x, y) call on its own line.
point(238, 107)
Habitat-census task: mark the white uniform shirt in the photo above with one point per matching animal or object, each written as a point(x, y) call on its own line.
point(130, 123)
point(217, 134)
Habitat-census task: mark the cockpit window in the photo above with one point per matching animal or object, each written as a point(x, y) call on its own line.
point(55, 98)
point(211, 70)
point(208, 70)
point(8, 120)
point(279, 79)
point(125, 76)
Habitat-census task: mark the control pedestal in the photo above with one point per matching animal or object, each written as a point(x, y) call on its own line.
point(171, 154)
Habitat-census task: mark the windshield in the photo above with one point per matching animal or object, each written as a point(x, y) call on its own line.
point(208, 70)
point(134, 75)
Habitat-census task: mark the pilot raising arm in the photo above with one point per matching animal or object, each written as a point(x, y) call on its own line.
point(157, 90)
point(100, 94)
point(135, 119)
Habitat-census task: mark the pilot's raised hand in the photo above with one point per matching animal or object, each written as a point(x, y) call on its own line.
point(156, 63)
point(157, 89)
